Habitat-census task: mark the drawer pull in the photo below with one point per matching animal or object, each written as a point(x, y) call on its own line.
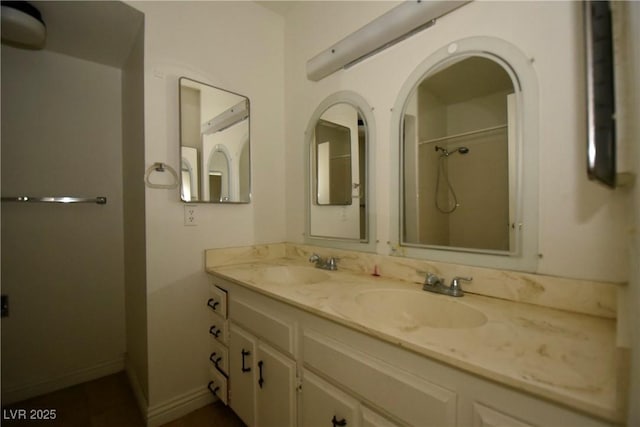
point(215, 359)
point(260, 379)
point(213, 303)
point(213, 390)
point(212, 331)
point(245, 353)
point(337, 422)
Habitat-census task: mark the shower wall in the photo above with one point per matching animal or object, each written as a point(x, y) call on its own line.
point(479, 179)
point(62, 264)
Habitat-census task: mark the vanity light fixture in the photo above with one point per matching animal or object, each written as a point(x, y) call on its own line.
point(22, 25)
point(394, 26)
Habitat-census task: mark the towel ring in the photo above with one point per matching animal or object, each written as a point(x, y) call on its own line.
point(161, 167)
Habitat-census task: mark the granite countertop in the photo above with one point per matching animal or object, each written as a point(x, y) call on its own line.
point(565, 357)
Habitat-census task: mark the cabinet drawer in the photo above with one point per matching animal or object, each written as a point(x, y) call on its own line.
point(278, 332)
point(484, 416)
point(219, 329)
point(325, 405)
point(217, 301)
point(219, 357)
point(218, 385)
point(409, 397)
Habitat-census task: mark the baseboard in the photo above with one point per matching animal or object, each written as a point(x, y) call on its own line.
point(29, 390)
point(138, 392)
point(179, 406)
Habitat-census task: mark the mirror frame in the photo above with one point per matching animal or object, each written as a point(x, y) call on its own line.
point(249, 176)
point(524, 255)
point(370, 243)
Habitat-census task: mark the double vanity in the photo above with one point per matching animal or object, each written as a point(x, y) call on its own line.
point(293, 344)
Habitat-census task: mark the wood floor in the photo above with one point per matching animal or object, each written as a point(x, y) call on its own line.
point(105, 402)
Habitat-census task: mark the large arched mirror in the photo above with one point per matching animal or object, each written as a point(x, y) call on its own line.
point(214, 144)
point(458, 184)
point(467, 157)
point(339, 150)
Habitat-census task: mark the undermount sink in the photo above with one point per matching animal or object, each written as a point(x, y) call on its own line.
point(290, 275)
point(410, 310)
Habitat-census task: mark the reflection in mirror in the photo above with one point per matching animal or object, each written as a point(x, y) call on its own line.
point(333, 163)
point(214, 144)
point(189, 173)
point(458, 159)
point(218, 182)
point(339, 169)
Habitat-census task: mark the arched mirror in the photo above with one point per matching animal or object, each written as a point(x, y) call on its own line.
point(214, 144)
point(467, 157)
point(189, 173)
point(218, 183)
point(339, 148)
point(458, 183)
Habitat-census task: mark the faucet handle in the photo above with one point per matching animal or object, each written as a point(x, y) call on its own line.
point(455, 282)
point(432, 279)
point(314, 257)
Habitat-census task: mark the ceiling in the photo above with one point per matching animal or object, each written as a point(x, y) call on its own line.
point(97, 31)
point(471, 77)
point(103, 31)
point(279, 7)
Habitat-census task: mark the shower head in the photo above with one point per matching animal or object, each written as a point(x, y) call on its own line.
point(447, 153)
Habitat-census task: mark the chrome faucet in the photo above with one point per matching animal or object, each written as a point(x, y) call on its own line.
point(330, 263)
point(436, 284)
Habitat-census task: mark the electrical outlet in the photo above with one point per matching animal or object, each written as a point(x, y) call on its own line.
point(190, 215)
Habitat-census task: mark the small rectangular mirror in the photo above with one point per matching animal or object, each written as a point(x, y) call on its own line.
point(215, 165)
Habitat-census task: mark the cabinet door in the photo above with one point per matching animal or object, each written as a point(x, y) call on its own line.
point(373, 419)
point(242, 383)
point(484, 416)
point(276, 383)
point(323, 405)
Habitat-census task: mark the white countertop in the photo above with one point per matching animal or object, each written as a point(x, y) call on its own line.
point(562, 356)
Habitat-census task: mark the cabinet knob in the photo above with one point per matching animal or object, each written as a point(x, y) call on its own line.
point(211, 387)
point(213, 303)
point(245, 353)
point(336, 422)
point(215, 359)
point(260, 379)
point(214, 332)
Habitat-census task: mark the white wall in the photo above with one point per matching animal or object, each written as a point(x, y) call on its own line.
point(631, 95)
point(236, 46)
point(582, 224)
point(133, 196)
point(62, 265)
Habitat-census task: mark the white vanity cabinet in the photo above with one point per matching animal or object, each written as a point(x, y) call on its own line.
point(373, 419)
point(219, 338)
point(289, 366)
point(262, 371)
point(324, 405)
point(242, 347)
point(410, 398)
point(484, 416)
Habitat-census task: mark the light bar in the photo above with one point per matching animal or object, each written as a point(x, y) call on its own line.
point(394, 26)
point(227, 118)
